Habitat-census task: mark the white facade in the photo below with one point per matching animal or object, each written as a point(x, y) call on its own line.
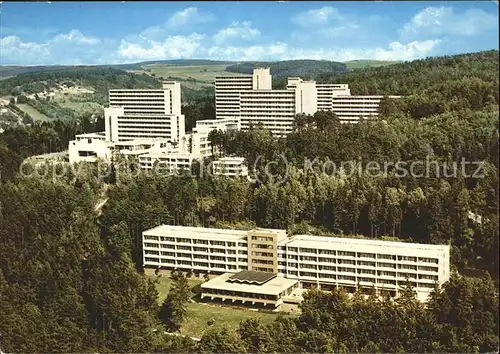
point(201, 249)
point(313, 260)
point(274, 109)
point(89, 147)
point(170, 163)
point(142, 113)
point(351, 109)
point(384, 265)
point(230, 167)
point(228, 88)
point(240, 97)
point(226, 124)
point(327, 91)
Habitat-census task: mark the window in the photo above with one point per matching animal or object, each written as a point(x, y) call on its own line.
point(366, 255)
point(306, 258)
point(346, 254)
point(428, 269)
point(346, 261)
point(407, 258)
point(386, 256)
point(366, 264)
point(386, 265)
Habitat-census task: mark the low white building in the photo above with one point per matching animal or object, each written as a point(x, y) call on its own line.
point(93, 146)
point(169, 163)
point(230, 167)
point(89, 147)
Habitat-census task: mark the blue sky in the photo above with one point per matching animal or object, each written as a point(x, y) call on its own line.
point(42, 33)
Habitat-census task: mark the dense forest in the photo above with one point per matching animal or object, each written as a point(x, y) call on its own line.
point(71, 277)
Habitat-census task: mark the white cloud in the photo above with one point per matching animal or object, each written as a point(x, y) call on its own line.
point(237, 30)
point(173, 47)
point(436, 21)
point(76, 37)
point(282, 51)
point(65, 48)
point(410, 51)
point(17, 51)
point(188, 16)
point(316, 17)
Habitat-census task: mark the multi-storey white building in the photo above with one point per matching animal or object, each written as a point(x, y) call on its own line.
point(147, 125)
point(353, 108)
point(240, 97)
point(141, 113)
point(327, 91)
point(321, 261)
point(230, 167)
point(228, 88)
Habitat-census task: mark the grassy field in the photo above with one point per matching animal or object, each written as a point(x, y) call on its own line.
point(78, 103)
point(32, 112)
point(362, 64)
point(200, 313)
point(191, 76)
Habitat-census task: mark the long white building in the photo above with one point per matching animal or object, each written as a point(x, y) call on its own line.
point(251, 99)
point(322, 261)
point(354, 108)
point(145, 114)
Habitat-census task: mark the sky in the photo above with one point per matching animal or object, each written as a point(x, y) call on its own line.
point(77, 33)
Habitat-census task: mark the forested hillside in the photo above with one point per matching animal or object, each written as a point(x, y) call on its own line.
point(100, 79)
point(68, 276)
point(420, 76)
point(6, 71)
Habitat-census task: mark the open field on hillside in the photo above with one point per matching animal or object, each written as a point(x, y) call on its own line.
point(81, 103)
point(362, 64)
point(32, 112)
point(193, 76)
point(200, 313)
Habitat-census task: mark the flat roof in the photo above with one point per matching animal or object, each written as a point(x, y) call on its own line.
point(251, 277)
point(198, 233)
point(91, 135)
point(273, 287)
point(359, 245)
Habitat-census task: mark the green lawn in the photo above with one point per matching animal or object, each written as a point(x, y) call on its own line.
point(32, 112)
point(200, 313)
